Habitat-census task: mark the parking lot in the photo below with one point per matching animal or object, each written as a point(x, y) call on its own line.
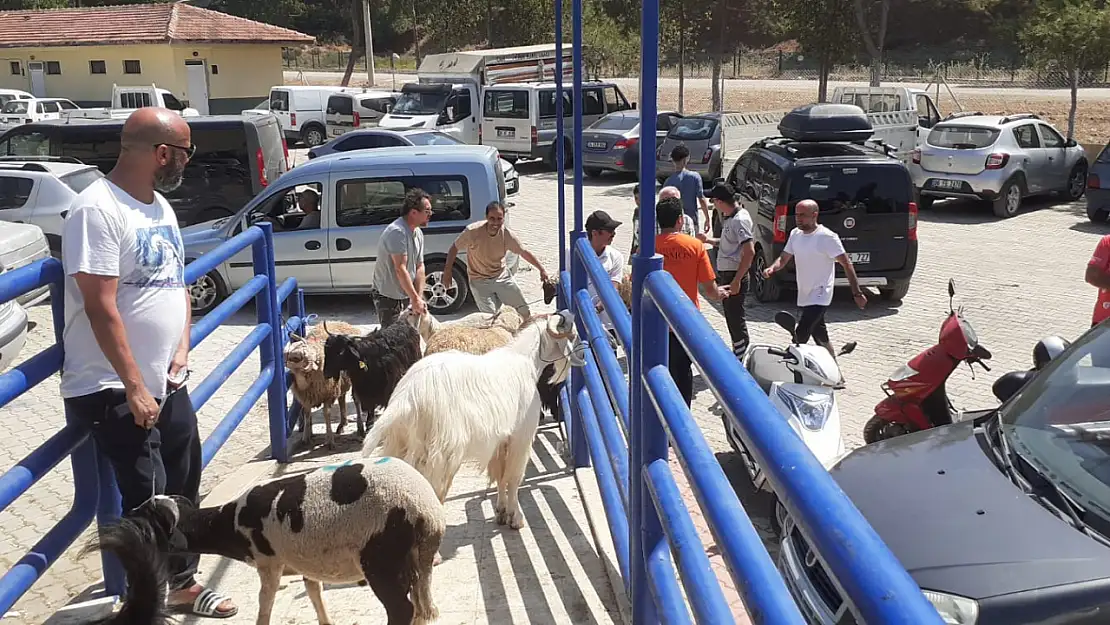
point(1019, 280)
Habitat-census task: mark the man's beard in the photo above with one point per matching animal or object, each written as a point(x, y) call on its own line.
point(168, 178)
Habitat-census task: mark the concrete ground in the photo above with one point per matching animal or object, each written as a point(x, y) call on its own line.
point(1019, 280)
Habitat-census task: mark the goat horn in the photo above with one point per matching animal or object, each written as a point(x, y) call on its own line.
point(326, 329)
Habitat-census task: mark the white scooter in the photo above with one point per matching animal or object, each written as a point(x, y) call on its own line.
point(801, 382)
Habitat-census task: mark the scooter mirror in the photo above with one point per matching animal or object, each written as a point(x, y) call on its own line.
point(951, 288)
point(847, 349)
point(787, 322)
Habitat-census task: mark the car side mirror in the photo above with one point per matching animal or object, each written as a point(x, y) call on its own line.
point(1009, 384)
point(1071, 143)
point(633, 106)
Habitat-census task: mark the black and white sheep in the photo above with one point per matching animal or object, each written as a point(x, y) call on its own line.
point(375, 363)
point(304, 356)
point(378, 521)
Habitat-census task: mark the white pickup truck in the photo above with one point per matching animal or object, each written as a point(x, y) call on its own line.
point(125, 100)
point(889, 99)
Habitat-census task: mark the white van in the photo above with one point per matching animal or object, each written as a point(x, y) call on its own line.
point(519, 119)
point(350, 111)
point(7, 95)
point(25, 111)
point(302, 111)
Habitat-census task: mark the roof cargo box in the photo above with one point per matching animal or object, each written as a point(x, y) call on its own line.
point(826, 122)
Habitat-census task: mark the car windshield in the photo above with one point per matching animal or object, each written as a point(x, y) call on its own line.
point(432, 138)
point(16, 107)
point(693, 129)
point(1059, 422)
point(616, 122)
point(420, 103)
point(963, 137)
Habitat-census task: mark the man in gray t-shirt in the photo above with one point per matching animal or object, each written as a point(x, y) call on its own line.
point(399, 268)
point(735, 251)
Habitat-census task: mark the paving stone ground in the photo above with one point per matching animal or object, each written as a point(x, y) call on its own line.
point(1019, 280)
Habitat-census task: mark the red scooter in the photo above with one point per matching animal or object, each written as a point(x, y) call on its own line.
point(916, 396)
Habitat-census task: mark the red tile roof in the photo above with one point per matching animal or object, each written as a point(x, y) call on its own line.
point(174, 22)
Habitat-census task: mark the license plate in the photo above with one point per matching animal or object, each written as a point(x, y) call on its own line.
point(506, 133)
point(596, 145)
point(941, 183)
point(335, 132)
point(859, 258)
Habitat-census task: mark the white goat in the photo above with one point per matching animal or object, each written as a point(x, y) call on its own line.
point(454, 407)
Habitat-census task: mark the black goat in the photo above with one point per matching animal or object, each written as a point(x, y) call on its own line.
point(140, 545)
point(375, 362)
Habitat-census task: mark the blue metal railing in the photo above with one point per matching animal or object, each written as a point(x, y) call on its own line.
point(625, 428)
point(95, 491)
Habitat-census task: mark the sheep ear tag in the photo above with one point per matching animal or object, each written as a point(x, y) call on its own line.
point(362, 365)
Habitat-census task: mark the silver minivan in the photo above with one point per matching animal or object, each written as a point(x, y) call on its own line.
point(360, 194)
point(519, 119)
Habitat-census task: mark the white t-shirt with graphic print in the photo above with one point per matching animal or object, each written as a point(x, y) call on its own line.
point(110, 233)
point(815, 264)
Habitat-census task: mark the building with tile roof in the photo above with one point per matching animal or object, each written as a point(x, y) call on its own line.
point(212, 61)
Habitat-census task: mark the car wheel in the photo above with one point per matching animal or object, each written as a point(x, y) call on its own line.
point(1077, 182)
point(765, 290)
point(897, 292)
point(207, 293)
point(1097, 215)
point(441, 300)
point(313, 136)
point(879, 429)
point(1009, 201)
point(592, 172)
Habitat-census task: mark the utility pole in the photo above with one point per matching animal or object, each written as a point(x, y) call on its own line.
point(369, 43)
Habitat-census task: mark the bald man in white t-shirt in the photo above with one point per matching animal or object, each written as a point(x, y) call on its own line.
point(816, 251)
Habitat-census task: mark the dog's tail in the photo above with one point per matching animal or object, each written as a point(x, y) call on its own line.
point(135, 544)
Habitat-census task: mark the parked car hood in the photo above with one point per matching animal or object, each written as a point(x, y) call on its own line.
point(18, 236)
point(204, 231)
point(957, 523)
point(408, 121)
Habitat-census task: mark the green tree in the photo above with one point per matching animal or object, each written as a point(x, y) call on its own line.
point(825, 30)
point(1073, 36)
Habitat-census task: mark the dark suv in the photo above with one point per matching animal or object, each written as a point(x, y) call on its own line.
point(865, 195)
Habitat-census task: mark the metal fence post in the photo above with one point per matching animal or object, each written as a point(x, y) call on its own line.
point(560, 157)
point(580, 451)
point(269, 352)
point(108, 509)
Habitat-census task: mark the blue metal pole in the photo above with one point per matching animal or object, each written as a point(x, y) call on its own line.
point(649, 336)
point(579, 450)
point(269, 351)
point(560, 162)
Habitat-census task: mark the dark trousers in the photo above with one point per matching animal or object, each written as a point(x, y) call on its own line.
point(388, 308)
point(681, 369)
point(812, 323)
point(733, 307)
point(164, 459)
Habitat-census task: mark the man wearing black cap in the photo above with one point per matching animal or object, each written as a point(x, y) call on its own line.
point(735, 251)
point(601, 228)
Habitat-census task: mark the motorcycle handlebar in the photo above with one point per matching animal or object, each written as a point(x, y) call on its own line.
point(778, 352)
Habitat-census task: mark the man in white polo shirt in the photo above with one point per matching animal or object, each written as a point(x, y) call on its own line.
point(816, 251)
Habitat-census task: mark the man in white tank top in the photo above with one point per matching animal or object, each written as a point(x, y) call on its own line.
point(126, 331)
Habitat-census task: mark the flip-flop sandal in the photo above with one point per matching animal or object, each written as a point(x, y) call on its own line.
point(207, 604)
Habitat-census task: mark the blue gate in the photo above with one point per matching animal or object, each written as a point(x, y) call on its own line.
point(94, 486)
point(624, 428)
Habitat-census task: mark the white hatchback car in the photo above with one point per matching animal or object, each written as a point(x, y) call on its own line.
point(39, 190)
point(20, 245)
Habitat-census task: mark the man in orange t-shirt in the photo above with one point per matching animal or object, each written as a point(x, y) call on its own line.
point(685, 258)
point(1098, 276)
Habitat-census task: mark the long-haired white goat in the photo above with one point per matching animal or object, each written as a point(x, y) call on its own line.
point(453, 407)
